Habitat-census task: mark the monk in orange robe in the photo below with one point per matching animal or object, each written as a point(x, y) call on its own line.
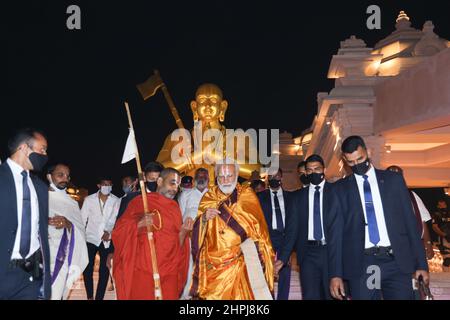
point(132, 268)
point(228, 215)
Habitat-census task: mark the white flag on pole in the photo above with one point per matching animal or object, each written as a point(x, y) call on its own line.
point(130, 148)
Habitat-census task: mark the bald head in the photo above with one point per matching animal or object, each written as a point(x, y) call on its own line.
point(209, 89)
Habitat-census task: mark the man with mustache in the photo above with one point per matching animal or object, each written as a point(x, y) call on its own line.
point(66, 234)
point(230, 218)
point(133, 272)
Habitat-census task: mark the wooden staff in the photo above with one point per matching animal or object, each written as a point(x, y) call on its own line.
point(151, 242)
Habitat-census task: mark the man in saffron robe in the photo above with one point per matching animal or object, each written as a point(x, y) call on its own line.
point(229, 216)
point(133, 273)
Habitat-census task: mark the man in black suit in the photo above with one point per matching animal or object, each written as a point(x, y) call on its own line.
point(317, 210)
point(278, 212)
point(303, 177)
point(24, 250)
point(380, 247)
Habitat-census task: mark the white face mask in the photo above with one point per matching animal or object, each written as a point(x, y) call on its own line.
point(106, 190)
point(54, 187)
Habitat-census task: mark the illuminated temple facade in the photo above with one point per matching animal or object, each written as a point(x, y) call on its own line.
point(395, 95)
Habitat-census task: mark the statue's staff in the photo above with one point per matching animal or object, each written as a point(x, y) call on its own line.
point(130, 152)
point(149, 88)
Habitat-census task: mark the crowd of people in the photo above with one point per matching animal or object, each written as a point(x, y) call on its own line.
point(363, 237)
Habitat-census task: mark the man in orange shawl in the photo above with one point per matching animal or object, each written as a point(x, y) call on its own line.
point(132, 268)
point(228, 215)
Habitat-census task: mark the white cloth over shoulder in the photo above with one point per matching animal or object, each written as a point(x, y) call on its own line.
point(254, 271)
point(62, 204)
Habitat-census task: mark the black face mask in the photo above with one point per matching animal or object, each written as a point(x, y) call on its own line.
point(304, 179)
point(316, 178)
point(274, 183)
point(38, 161)
point(151, 186)
point(361, 168)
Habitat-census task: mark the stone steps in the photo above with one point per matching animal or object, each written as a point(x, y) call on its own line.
point(440, 287)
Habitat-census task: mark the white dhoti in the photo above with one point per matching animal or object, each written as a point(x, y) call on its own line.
point(187, 287)
point(68, 250)
point(189, 210)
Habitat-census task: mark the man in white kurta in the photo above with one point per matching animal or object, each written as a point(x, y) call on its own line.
point(99, 213)
point(68, 251)
point(189, 209)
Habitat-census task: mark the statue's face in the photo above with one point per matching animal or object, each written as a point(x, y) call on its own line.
point(208, 106)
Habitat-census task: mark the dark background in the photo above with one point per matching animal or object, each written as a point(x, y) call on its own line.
point(269, 57)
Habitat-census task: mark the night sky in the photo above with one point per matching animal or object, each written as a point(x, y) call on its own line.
point(269, 57)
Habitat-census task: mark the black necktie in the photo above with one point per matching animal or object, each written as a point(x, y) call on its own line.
point(316, 211)
point(25, 233)
point(278, 215)
point(374, 235)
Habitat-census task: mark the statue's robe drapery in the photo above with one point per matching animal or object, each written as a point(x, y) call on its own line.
point(218, 150)
point(133, 273)
point(220, 272)
point(68, 250)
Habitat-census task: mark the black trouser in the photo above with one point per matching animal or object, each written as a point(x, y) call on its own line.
point(103, 272)
point(284, 276)
point(314, 274)
point(392, 283)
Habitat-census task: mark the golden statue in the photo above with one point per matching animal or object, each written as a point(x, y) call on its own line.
point(208, 110)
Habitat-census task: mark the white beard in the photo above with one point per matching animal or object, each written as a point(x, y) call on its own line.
point(227, 189)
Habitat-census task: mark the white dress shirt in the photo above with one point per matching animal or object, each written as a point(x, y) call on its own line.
point(18, 181)
point(281, 201)
point(192, 202)
point(96, 220)
point(311, 191)
point(378, 207)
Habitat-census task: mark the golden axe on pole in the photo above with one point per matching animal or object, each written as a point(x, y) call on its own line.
point(149, 88)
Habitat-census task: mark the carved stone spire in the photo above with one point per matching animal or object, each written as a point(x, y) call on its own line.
point(402, 21)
